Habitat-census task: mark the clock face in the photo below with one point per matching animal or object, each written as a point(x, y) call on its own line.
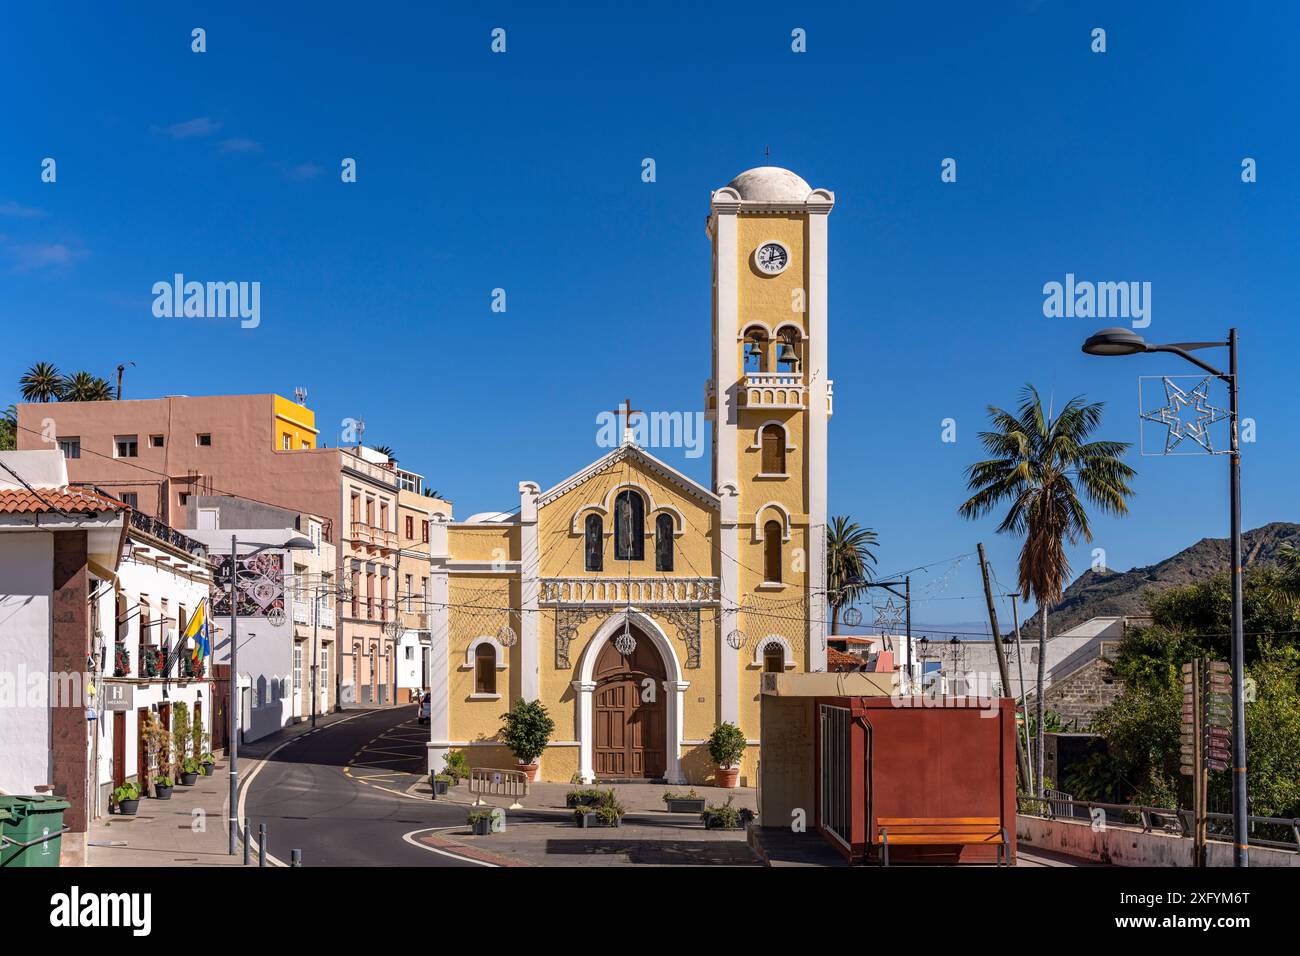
point(771, 258)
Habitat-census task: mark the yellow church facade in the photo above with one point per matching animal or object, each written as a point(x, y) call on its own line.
point(638, 605)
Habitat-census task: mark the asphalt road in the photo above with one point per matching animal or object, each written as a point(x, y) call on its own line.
point(336, 795)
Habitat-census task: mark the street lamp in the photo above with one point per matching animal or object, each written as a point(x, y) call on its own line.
point(1119, 341)
point(295, 543)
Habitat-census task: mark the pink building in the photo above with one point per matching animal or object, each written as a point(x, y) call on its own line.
point(161, 455)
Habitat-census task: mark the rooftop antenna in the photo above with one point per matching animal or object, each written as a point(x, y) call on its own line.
point(300, 395)
point(120, 369)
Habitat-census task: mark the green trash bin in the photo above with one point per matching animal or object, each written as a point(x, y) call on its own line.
point(31, 830)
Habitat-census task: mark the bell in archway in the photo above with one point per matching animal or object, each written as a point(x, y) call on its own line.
point(787, 354)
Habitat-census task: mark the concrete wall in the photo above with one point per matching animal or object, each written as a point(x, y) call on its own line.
point(1124, 847)
point(786, 769)
point(26, 587)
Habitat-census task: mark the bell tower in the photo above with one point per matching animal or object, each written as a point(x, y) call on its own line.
point(770, 402)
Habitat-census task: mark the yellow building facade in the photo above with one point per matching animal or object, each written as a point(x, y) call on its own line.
point(295, 425)
point(638, 605)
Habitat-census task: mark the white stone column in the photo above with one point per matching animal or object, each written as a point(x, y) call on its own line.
point(676, 689)
point(439, 644)
point(820, 203)
point(529, 587)
point(729, 595)
point(583, 692)
point(725, 204)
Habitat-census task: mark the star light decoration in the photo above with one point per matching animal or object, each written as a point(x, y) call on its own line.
point(888, 614)
point(1198, 429)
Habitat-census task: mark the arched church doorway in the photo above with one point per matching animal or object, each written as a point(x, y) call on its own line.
point(629, 713)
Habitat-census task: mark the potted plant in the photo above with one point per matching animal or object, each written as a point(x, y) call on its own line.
point(480, 822)
point(526, 731)
point(190, 768)
point(439, 783)
point(456, 766)
point(606, 812)
point(162, 787)
point(727, 817)
point(689, 802)
point(207, 761)
point(126, 798)
point(582, 798)
point(727, 747)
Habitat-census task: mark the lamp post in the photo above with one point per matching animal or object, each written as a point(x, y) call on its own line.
point(296, 543)
point(1119, 341)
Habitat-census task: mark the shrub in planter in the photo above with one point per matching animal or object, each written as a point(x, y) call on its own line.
point(190, 769)
point(583, 798)
point(480, 822)
point(727, 817)
point(439, 783)
point(126, 798)
point(526, 731)
point(162, 787)
point(207, 761)
point(456, 766)
point(605, 812)
point(689, 802)
point(726, 748)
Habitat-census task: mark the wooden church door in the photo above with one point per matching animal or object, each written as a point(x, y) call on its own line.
point(628, 715)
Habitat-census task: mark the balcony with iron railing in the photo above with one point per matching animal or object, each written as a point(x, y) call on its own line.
point(642, 590)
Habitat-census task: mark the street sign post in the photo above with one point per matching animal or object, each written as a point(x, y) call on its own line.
point(1205, 741)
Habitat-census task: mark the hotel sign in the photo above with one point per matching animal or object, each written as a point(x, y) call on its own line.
point(118, 695)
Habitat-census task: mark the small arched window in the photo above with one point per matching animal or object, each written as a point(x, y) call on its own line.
point(772, 551)
point(664, 543)
point(595, 544)
point(485, 669)
point(774, 659)
point(629, 527)
point(772, 439)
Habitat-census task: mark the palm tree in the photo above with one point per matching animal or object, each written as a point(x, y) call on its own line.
point(848, 551)
point(1037, 460)
point(41, 383)
point(84, 387)
point(9, 428)
point(1289, 559)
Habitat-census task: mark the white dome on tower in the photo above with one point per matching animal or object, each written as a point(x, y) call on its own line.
point(770, 184)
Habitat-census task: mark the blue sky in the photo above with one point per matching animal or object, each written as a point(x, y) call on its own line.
point(522, 171)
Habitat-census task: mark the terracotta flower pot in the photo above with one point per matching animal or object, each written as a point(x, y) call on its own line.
point(728, 776)
point(531, 769)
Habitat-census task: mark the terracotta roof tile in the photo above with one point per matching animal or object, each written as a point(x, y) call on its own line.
point(71, 499)
point(839, 661)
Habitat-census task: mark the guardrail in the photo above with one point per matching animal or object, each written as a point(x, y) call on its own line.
point(1163, 819)
point(489, 782)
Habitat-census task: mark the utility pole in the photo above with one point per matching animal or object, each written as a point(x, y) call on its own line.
point(1020, 667)
point(232, 745)
point(1021, 758)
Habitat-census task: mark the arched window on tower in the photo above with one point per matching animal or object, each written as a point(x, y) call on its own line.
point(485, 669)
point(772, 551)
point(774, 658)
point(787, 350)
point(664, 543)
point(629, 527)
point(755, 353)
point(595, 545)
point(772, 439)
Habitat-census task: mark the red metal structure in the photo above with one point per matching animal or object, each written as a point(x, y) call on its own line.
point(932, 757)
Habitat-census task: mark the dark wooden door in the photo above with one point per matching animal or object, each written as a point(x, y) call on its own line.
point(119, 747)
point(628, 712)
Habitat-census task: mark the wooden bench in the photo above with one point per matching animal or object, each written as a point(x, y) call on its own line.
point(938, 831)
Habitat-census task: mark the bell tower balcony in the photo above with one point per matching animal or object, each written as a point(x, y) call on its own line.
point(773, 390)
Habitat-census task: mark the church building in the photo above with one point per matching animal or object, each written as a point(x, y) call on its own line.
point(639, 606)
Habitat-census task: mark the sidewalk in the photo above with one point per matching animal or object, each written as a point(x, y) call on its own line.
point(190, 829)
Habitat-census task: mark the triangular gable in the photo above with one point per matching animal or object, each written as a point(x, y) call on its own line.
point(637, 454)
